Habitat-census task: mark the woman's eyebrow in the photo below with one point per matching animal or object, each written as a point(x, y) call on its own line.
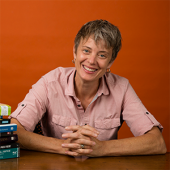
point(86, 47)
point(99, 51)
point(103, 51)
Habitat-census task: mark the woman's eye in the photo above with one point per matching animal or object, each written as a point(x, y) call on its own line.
point(102, 56)
point(86, 51)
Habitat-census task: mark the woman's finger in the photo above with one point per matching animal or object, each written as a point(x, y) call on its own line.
point(71, 145)
point(72, 128)
point(90, 128)
point(75, 146)
point(84, 142)
point(79, 134)
point(79, 152)
point(76, 128)
point(71, 135)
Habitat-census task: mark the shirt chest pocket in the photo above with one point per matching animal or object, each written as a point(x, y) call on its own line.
point(63, 121)
point(59, 123)
point(108, 128)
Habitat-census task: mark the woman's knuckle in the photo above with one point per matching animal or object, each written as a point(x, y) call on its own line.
point(75, 154)
point(76, 135)
point(81, 130)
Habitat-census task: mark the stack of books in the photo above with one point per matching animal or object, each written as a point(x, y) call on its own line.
point(9, 148)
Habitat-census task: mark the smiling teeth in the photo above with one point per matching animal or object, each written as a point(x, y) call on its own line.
point(93, 70)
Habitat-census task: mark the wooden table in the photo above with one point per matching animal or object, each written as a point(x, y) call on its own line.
point(31, 160)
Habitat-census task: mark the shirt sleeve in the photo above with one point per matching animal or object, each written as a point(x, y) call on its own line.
point(137, 117)
point(32, 108)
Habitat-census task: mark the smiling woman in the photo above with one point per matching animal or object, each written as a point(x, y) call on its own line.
point(89, 102)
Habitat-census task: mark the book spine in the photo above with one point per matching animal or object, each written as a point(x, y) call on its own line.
point(8, 146)
point(4, 117)
point(8, 139)
point(6, 134)
point(5, 121)
point(8, 128)
point(10, 153)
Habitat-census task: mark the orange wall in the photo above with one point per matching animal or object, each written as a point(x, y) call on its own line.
point(37, 36)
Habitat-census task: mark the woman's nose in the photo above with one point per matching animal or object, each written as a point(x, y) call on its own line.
point(92, 59)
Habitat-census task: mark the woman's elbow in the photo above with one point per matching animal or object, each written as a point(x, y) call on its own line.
point(158, 143)
point(163, 148)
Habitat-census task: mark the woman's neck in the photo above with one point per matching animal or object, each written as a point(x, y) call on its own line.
point(85, 91)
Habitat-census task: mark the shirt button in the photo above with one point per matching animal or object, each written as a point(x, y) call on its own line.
point(79, 105)
point(22, 105)
point(147, 112)
point(85, 124)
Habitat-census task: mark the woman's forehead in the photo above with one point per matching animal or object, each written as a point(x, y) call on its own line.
point(98, 42)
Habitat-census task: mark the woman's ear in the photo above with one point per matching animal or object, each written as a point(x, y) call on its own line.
point(110, 64)
point(74, 52)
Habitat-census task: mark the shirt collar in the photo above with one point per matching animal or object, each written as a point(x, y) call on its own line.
point(103, 88)
point(70, 84)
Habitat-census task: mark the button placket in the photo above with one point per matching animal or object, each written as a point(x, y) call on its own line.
point(86, 117)
point(78, 103)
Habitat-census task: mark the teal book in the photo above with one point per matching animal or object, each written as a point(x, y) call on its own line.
point(10, 153)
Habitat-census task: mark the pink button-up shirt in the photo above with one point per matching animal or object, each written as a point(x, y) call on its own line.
point(52, 101)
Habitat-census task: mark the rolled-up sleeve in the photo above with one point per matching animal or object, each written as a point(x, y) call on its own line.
point(32, 108)
point(137, 117)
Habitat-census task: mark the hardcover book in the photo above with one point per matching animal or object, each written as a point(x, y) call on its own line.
point(10, 145)
point(6, 134)
point(8, 139)
point(8, 127)
point(5, 121)
point(9, 153)
point(4, 117)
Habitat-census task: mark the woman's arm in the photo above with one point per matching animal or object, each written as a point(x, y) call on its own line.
point(32, 141)
point(150, 143)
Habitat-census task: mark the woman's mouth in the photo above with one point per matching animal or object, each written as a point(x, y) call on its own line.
point(89, 69)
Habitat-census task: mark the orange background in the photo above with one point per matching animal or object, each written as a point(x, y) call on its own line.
point(37, 36)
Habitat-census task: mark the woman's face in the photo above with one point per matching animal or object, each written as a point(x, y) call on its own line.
point(92, 60)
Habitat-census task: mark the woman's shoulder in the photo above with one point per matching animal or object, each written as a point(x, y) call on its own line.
point(114, 79)
point(59, 73)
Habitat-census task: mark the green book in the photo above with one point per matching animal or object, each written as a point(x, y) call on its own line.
point(5, 110)
point(10, 153)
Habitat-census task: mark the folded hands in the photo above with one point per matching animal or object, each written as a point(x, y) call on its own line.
point(85, 136)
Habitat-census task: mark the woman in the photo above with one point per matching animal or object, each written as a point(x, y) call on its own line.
point(81, 109)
